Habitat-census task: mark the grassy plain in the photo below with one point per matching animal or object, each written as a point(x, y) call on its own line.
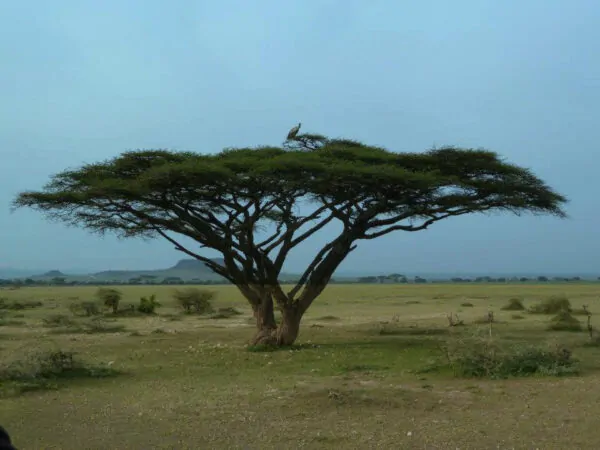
point(189, 382)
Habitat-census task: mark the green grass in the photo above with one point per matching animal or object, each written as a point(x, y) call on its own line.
point(374, 370)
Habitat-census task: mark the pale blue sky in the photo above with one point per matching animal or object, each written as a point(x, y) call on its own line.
point(82, 81)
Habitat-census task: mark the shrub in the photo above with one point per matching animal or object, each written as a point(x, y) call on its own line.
point(195, 300)
point(517, 317)
point(483, 320)
point(19, 305)
point(514, 304)
point(148, 305)
point(467, 304)
point(110, 298)
point(93, 326)
point(564, 321)
point(42, 369)
point(482, 357)
point(6, 322)
point(58, 320)
point(86, 309)
point(98, 325)
point(225, 313)
point(336, 318)
point(552, 305)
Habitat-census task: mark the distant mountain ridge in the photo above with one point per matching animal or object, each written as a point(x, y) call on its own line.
point(186, 269)
point(193, 270)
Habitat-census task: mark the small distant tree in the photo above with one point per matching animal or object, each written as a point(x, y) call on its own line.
point(369, 279)
point(110, 298)
point(148, 305)
point(194, 300)
point(255, 205)
point(59, 281)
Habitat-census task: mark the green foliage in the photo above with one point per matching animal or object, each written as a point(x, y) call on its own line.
point(99, 325)
point(148, 305)
point(19, 305)
point(85, 309)
point(110, 298)
point(96, 325)
point(514, 304)
point(7, 322)
point(552, 305)
point(225, 313)
point(483, 357)
point(194, 300)
point(328, 318)
point(58, 320)
point(467, 304)
point(220, 201)
point(45, 369)
point(564, 321)
point(395, 329)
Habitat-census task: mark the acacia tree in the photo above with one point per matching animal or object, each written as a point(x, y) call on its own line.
point(254, 205)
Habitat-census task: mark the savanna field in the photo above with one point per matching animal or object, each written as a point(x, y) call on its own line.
point(376, 366)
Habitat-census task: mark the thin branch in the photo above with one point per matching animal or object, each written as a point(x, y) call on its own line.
point(425, 224)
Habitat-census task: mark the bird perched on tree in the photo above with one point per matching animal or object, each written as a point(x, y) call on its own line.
point(294, 131)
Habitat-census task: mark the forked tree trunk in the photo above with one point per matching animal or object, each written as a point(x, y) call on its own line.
point(271, 333)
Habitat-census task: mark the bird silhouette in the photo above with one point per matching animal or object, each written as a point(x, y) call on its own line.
point(294, 131)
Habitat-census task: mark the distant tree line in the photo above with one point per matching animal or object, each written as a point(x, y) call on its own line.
point(62, 281)
point(394, 278)
point(398, 278)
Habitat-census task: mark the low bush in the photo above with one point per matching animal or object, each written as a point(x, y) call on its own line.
point(7, 322)
point(85, 309)
point(58, 320)
point(484, 357)
point(98, 325)
point(129, 310)
point(564, 321)
point(514, 304)
point(44, 369)
point(225, 313)
point(331, 318)
point(467, 304)
point(19, 305)
point(64, 325)
point(552, 305)
point(110, 298)
point(148, 305)
point(194, 300)
point(482, 320)
point(388, 329)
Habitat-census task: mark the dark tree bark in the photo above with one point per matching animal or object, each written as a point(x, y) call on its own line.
point(266, 325)
point(283, 334)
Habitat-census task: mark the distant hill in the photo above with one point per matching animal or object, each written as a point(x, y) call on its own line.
point(51, 274)
point(186, 269)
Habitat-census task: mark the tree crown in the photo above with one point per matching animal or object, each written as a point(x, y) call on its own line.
point(221, 200)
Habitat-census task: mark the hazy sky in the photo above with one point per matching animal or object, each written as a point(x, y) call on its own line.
point(82, 81)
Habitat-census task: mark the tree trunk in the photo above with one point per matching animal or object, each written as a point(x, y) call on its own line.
point(265, 321)
point(283, 334)
point(289, 328)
